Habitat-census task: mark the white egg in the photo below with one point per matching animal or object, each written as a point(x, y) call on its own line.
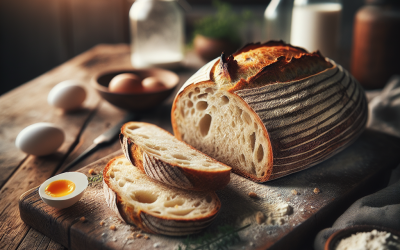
point(67, 95)
point(40, 139)
point(81, 182)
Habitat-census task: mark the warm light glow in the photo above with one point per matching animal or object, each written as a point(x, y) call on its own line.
point(60, 188)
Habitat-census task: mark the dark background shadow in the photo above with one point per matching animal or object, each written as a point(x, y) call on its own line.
point(36, 36)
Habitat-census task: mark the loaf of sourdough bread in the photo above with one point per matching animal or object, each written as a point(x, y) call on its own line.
point(270, 110)
point(166, 159)
point(153, 206)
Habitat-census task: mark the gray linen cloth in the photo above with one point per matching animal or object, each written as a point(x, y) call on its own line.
point(383, 207)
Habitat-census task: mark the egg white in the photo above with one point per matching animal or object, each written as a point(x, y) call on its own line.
point(81, 182)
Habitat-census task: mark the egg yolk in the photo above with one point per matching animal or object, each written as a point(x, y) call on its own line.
point(60, 188)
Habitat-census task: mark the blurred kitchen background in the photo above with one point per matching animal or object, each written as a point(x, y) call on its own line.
point(36, 36)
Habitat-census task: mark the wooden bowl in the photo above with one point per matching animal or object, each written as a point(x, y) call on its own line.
point(136, 101)
point(336, 237)
point(209, 48)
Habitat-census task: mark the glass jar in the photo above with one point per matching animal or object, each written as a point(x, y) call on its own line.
point(316, 25)
point(277, 20)
point(157, 33)
point(376, 43)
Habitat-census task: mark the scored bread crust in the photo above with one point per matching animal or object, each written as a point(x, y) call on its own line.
point(177, 172)
point(151, 221)
point(304, 108)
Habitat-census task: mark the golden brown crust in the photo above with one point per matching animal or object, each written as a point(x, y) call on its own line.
point(258, 64)
point(285, 70)
point(272, 43)
point(136, 216)
point(228, 67)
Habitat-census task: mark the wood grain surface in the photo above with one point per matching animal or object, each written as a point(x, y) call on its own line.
point(341, 180)
point(27, 105)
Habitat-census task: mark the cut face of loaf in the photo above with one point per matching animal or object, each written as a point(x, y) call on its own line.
point(153, 206)
point(270, 110)
point(166, 159)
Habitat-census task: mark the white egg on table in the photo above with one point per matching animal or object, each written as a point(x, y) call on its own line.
point(67, 95)
point(40, 139)
point(63, 190)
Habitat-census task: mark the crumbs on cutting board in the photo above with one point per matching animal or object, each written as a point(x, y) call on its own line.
point(272, 210)
point(253, 195)
point(260, 217)
point(295, 192)
point(278, 214)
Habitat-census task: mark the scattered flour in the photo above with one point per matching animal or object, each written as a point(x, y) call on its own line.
point(275, 214)
point(281, 209)
point(370, 241)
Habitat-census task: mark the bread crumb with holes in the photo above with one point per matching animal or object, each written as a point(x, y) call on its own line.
point(253, 195)
point(317, 191)
point(260, 217)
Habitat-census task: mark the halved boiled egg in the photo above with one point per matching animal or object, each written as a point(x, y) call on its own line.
point(63, 190)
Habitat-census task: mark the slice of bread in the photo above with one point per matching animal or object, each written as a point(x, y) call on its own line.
point(164, 158)
point(153, 206)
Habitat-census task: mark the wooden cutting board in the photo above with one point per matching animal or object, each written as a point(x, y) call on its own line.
point(290, 217)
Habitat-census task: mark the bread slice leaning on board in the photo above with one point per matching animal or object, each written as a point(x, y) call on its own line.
point(270, 110)
point(153, 206)
point(164, 158)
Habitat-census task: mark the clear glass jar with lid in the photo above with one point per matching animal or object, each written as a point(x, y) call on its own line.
point(157, 33)
point(277, 20)
point(316, 25)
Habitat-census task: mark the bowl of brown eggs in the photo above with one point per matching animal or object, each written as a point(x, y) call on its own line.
point(135, 89)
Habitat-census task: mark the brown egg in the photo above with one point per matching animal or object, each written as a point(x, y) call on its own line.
point(125, 83)
point(153, 84)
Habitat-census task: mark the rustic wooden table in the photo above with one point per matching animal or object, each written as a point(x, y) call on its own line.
point(28, 104)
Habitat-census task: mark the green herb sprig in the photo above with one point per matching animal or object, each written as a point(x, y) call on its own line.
point(225, 24)
point(95, 179)
point(226, 236)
